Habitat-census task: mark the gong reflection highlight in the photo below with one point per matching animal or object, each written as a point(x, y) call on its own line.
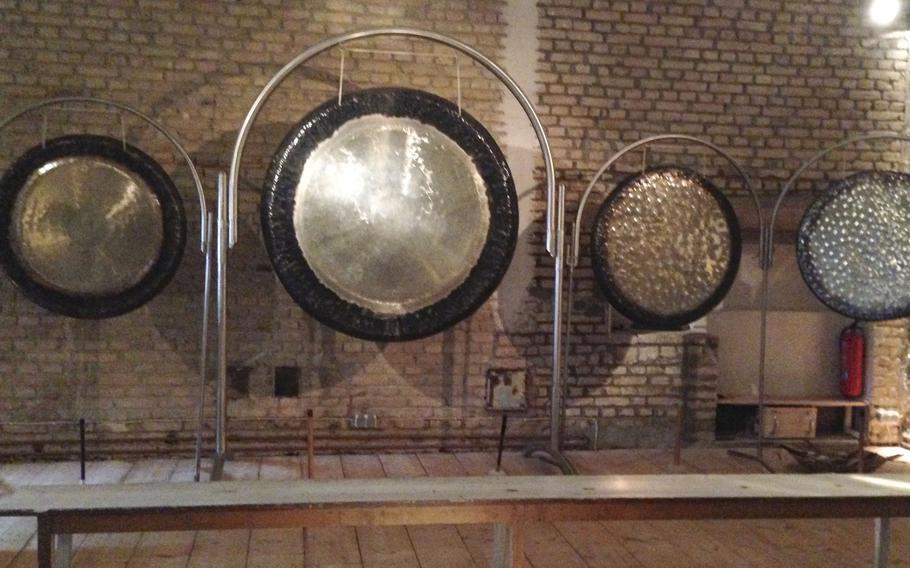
point(391, 214)
point(86, 226)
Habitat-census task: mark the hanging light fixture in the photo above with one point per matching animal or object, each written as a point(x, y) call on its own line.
point(884, 12)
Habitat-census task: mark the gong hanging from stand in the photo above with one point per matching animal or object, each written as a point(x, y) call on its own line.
point(90, 227)
point(853, 246)
point(665, 247)
point(390, 215)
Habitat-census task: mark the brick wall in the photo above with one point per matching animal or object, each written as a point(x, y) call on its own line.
point(771, 80)
point(197, 66)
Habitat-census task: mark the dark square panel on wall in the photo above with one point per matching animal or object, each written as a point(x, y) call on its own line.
point(287, 382)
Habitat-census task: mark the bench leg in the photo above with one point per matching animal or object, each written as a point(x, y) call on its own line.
point(45, 543)
point(882, 541)
point(64, 551)
point(508, 546)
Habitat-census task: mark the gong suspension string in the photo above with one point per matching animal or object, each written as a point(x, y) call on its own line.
point(65, 108)
point(400, 53)
point(341, 75)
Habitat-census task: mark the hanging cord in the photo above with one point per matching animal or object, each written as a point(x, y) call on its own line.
point(400, 53)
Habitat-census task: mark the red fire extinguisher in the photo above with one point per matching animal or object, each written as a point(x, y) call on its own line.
point(852, 360)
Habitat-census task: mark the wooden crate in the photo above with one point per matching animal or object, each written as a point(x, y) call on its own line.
point(790, 421)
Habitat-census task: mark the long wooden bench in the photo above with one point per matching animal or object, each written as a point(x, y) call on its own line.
point(507, 502)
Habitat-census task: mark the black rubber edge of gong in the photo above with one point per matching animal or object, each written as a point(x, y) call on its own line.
point(301, 282)
point(174, 235)
point(645, 319)
point(810, 216)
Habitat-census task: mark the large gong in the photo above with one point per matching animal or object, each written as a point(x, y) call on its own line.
point(90, 227)
point(665, 247)
point(853, 246)
point(390, 215)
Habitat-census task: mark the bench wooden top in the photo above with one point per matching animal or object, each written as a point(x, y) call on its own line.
point(474, 499)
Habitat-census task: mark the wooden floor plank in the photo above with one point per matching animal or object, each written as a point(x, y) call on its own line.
point(477, 463)
point(277, 547)
point(401, 465)
point(231, 548)
point(166, 549)
point(108, 550)
point(436, 546)
point(104, 549)
point(225, 549)
point(545, 547)
point(281, 467)
point(23, 535)
point(649, 545)
point(379, 546)
point(151, 470)
point(15, 532)
point(440, 546)
point(515, 463)
point(362, 466)
point(598, 547)
point(331, 547)
point(441, 465)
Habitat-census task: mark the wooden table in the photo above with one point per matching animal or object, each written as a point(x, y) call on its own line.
point(508, 502)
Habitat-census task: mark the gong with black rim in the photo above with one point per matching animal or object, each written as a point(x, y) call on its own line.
point(391, 215)
point(90, 227)
point(853, 246)
point(665, 247)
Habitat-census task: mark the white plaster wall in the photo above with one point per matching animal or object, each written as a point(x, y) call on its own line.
point(522, 150)
point(802, 333)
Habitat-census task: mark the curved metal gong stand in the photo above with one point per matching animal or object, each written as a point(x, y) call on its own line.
point(643, 143)
point(205, 221)
point(768, 258)
point(228, 189)
point(61, 101)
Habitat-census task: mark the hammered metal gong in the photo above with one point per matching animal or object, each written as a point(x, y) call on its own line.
point(665, 247)
point(91, 227)
point(853, 246)
point(391, 215)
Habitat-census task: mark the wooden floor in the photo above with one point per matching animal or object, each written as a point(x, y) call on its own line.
point(758, 544)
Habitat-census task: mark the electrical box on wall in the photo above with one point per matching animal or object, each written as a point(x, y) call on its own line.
point(506, 389)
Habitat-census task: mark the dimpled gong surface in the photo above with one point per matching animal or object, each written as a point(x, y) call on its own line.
point(391, 214)
point(86, 226)
point(665, 242)
point(853, 246)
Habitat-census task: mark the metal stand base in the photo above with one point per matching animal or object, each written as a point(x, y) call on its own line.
point(552, 457)
point(217, 468)
point(753, 457)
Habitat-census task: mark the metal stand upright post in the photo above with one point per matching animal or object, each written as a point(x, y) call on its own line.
point(224, 220)
point(204, 351)
point(552, 453)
